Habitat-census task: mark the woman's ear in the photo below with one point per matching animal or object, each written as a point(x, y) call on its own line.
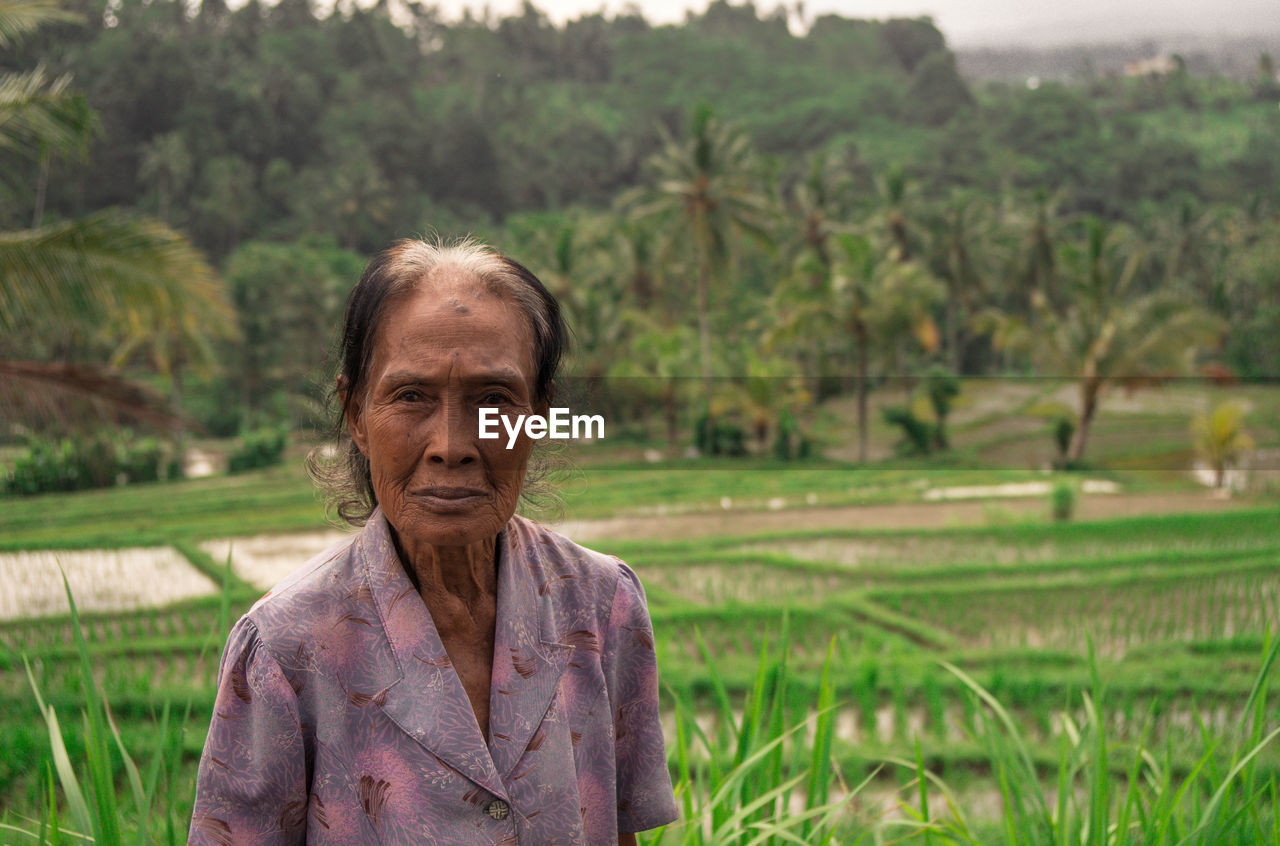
point(353, 414)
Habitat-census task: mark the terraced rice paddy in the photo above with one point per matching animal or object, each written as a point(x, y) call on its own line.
point(1176, 608)
point(1120, 612)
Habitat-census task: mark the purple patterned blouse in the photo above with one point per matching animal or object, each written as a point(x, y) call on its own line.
point(339, 718)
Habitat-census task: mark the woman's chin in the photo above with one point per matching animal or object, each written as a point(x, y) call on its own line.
point(449, 526)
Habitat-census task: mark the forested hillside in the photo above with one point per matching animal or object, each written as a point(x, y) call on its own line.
point(289, 146)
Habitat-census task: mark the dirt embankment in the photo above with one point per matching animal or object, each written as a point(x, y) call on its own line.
point(929, 515)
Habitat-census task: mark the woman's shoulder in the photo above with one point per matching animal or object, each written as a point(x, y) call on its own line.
point(569, 571)
point(302, 599)
point(315, 574)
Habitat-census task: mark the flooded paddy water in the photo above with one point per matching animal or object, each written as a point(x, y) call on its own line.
point(100, 579)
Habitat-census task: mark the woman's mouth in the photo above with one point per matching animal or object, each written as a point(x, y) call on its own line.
point(450, 498)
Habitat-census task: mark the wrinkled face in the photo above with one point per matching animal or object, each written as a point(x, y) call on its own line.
point(442, 352)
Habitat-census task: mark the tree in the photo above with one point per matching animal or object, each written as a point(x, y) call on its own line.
point(167, 167)
point(288, 298)
point(1026, 249)
point(1252, 304)
point(959, 252)
point(705, 189)
point(896, 194)
point(937, 90)
point(880, 303)
point(1104, 331)
point(1220, 438)
point(1038, 252)
point(912, 40)
point(133, 277)
point(573, 258)
point(39, 115)
point(941, 387)
point(800, 304)
point(657, 357)
point(768, 394)
point(1265, 85)
point(1195, 252)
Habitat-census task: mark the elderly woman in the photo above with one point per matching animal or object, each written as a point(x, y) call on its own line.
point(453, 674)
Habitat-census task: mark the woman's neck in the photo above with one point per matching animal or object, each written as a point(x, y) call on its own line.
point(467, 573)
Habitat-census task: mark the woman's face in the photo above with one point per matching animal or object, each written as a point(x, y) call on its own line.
point(442, 352)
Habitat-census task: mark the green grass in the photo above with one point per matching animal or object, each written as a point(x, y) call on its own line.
point(279, 499)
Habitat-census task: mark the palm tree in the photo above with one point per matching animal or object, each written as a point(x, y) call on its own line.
point(167, 166)
point(1023, 243)
point(896, 194)
point(959, 253)
point(1104, 331)
point(1038, 255)
point(133, 278)
point(1220, 438)
point(1196, 250)
point(656, 356)
point(817, 203)
point(770, 393)
point(574, 256)
point(705, 188)
point(877, 299)
point(799, 303)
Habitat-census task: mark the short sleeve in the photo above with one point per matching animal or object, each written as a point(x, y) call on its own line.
point(251, 785)
point(645, 798)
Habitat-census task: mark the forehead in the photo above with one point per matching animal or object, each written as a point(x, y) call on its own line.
point(449, 320)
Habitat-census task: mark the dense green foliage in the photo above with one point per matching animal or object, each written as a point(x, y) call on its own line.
point(723, 198)
point(258, 448)
point(96, 461)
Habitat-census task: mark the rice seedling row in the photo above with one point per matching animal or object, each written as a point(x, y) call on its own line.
point(1116, 613)
point(1228, 530)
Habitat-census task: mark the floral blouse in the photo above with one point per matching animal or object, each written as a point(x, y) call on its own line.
point(339, 718)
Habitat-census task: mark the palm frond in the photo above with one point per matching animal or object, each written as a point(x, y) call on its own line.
point(37, 392)
point(19, 17)
point(41, 113)
point(104, 267)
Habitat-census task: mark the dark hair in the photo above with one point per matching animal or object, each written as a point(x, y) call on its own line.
point(394, 272)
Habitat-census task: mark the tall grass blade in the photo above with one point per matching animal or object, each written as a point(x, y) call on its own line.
point(1215, 803)
point(106, 815)
point(816, 790)
point(76, 803)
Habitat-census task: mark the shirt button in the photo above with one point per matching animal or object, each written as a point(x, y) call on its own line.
point(497, 809)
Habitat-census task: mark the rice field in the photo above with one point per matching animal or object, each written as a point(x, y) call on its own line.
point(1118, 613)
point(1176, 609)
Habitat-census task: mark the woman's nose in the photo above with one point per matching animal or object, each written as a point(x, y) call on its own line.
point(452, 441)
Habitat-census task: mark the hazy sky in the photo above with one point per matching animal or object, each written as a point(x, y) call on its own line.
point(984, 21)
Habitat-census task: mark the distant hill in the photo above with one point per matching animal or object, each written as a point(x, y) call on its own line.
point(1231, 56)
